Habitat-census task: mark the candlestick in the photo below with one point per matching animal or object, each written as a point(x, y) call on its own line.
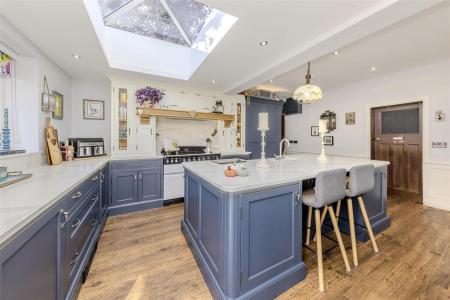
point(263, 164)
point(263, 121)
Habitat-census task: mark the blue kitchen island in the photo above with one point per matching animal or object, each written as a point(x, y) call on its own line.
point(246, 232)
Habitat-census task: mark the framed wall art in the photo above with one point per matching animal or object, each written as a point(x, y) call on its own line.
point(93, 109)
point(58, 111)
point(328, 140)
point(350, 118)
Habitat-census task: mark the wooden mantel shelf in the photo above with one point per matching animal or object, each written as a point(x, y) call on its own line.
point(189, 115)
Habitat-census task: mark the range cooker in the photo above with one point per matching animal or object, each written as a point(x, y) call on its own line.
point(174, 172)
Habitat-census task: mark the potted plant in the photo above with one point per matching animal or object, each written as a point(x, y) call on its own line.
point(148, 96)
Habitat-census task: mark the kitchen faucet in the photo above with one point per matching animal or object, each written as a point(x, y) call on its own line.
point(281, 156)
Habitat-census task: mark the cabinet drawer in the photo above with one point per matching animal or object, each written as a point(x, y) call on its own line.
point(135, 164)
point(80, 238)
point(77, 219)
point(79, 194)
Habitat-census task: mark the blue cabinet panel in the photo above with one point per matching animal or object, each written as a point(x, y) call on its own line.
point(211, 228)
point(253, 136)
point(270, 237)
point(192, 204)
point(149, 184)
point(124, 187)
point(31, 272)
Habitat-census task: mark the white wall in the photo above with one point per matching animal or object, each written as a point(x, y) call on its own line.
point(92, 90)
point(31, 67)
point(431, 81)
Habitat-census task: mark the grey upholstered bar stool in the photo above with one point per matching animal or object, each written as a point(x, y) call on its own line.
point(329, 188)
point(362, 180)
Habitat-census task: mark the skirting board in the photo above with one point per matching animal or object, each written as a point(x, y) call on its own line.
point(436, 185)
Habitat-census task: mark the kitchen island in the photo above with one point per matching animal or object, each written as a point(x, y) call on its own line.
point(246, 232)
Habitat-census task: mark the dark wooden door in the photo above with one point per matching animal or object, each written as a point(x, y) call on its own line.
point(397, 138)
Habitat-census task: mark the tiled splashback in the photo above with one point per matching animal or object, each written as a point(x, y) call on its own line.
point(186, 132)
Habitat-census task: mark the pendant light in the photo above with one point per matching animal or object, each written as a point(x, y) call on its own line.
point(308, 93)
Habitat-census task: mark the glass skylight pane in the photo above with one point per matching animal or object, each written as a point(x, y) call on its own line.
point(109, 6)
point(191, 15)
point(149, 18)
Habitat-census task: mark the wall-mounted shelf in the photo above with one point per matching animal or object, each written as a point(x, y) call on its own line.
point(188, 115)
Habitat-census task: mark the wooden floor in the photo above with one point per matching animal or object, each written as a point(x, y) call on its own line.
point(145, 256)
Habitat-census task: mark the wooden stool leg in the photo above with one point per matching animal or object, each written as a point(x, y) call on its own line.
point(308, 226)
point(322, 218)
point(339, 237)
point(352, 230)
point(319, 249)
point(338, 210)
point(366, 220)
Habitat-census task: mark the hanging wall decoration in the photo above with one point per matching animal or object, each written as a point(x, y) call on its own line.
point(350, 118)
point(93, 109)
point(59, 106)
point(48, 100)
point(5, 64)
point(331, 119)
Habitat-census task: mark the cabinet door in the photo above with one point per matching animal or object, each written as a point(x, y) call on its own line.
point(203, 103)
point(124, 187)
point(30, 271)
point(146, 139)
point(175, 100)
point(123, 126)
point(149, 184)
point(103, 192)
point(270, 234)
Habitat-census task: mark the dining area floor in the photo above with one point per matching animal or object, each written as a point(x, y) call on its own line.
point(144, 255)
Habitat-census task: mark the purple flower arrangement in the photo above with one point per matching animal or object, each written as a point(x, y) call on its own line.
point(148, 95)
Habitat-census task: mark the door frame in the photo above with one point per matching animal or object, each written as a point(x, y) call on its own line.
point(425, 128)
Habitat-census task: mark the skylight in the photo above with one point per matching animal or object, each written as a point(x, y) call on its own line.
point(185, 22)
point(169, 38)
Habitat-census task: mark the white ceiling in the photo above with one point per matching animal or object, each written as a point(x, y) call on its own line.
point(297, 31)
point(415, 41)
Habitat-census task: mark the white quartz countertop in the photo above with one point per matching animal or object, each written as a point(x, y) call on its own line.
point(23, 202)
point(294, 168)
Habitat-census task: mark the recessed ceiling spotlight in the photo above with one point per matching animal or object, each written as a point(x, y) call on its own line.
point(336, 52)
point(263, 43)
point(271, 80)
point(76, 56)
point(373, 69)
point(213, 81)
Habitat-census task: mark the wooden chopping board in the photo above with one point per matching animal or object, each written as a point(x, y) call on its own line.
point(52, 148)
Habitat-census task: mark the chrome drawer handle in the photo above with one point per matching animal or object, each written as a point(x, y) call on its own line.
point(66, 217)
point(94, 199)
point(95, 178)
point(75, 258)
point(77, 195)
point(77, 222)
point(93, 222)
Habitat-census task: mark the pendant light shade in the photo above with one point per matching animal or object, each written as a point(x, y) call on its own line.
point(308, 93)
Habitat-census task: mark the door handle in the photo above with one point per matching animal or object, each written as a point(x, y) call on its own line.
point(95, 178)
point(77, 195)
point(298, 200)
point(135, 177)
point(140, 177)
point(66, 217)
point(77, 222)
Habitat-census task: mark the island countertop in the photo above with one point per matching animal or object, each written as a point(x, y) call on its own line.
point(294, 168)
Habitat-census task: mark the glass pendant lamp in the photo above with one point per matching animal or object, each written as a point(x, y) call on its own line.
point(308, 93)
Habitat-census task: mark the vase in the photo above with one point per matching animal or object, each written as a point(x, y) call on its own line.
point(147, 104)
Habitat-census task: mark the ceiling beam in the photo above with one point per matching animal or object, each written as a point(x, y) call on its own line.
point(175, 20)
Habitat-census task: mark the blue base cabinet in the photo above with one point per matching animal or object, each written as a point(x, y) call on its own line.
point(136, 185)
point(247, 244)
point(49, 258)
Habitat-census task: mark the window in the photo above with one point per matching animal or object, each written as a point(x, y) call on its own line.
point(185, 22)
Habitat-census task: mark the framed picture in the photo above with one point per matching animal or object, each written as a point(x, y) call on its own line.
point(48, 102)
point(314, 130)
point(350, 118)
point(58, 111)
point(328, 140)
point(93, 109)
point(331, 119)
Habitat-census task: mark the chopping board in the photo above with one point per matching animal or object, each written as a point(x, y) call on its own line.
point(54, 156)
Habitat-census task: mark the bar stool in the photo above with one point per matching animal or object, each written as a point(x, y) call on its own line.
point(362, 180)
point(330, 187)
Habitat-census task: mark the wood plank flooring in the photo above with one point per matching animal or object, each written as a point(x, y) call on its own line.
point(144, 256)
